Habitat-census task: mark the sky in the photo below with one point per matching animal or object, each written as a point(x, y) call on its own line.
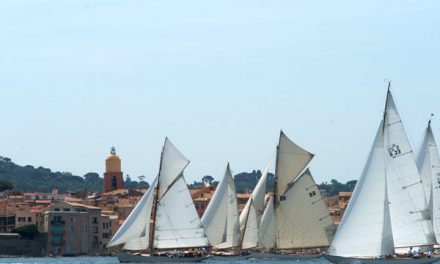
point(219, 78)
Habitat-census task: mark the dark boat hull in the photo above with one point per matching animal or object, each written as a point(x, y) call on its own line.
point(129, 258)
point(344, 260)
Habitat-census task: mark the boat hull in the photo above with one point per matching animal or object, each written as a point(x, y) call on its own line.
point(258, 255)
point(129, 258)
point(345, 260)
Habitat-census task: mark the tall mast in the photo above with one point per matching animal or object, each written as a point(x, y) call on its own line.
point(156, 199)
point(275, 198)
point(385, 110)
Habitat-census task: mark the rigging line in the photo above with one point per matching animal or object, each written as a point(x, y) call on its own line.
point(394, 123)
point(322, 218)
point(402, 154)
point(404, 187)
point(172, 183)
point(317, 200)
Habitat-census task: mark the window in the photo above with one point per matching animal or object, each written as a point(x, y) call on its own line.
point(114, 184)
point(22, 219)
point(105, 235)
point(29, 219)
point(95, 220)
point(95, 230)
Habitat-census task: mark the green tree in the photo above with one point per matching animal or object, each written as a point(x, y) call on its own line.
point(5, 185)
point(27, 231)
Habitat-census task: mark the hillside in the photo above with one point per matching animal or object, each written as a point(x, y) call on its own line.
point(28, 178)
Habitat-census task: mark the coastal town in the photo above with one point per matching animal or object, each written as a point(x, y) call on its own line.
point(74, 223)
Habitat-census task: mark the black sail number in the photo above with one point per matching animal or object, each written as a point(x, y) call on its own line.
point(394, 150)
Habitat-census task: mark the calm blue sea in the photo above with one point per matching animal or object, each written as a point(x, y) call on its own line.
point(112, 260)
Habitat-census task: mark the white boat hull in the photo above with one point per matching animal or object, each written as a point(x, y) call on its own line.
point(344, 260)
point(129, 258)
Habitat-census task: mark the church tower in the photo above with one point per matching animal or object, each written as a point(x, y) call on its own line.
point(113, 174)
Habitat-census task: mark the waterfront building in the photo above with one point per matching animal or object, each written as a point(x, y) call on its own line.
point(74, 229)
point(113, 174)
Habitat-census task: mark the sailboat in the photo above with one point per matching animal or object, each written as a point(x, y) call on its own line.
point(428, 162)
point(165, 218)
point(296, 216)
point(220, 219)
point(388, 209)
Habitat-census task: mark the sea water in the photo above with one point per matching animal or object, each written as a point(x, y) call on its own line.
point(113, 260)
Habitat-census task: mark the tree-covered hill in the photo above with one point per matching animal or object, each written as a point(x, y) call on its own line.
point(245, 182)
point(28, 178)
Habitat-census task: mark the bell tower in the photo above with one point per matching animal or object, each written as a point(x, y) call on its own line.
point(113, 175)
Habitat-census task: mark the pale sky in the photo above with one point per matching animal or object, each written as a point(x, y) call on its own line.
point(220, 79)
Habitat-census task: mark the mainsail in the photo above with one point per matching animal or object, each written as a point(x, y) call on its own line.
point(168, 207)
point(303, 220)
point(220, 219)
point(429, 166)
point(365, 229)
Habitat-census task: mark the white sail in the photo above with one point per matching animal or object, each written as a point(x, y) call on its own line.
point(302, 219)
point(172, 165)
point(409, 212)
point(249, 221)
point(137, 225)
point(365, 229)
point(177, 224)
point(291, 160)
point(266, 234)
point(429, 166)
point(250, 232)
point(220, 219)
